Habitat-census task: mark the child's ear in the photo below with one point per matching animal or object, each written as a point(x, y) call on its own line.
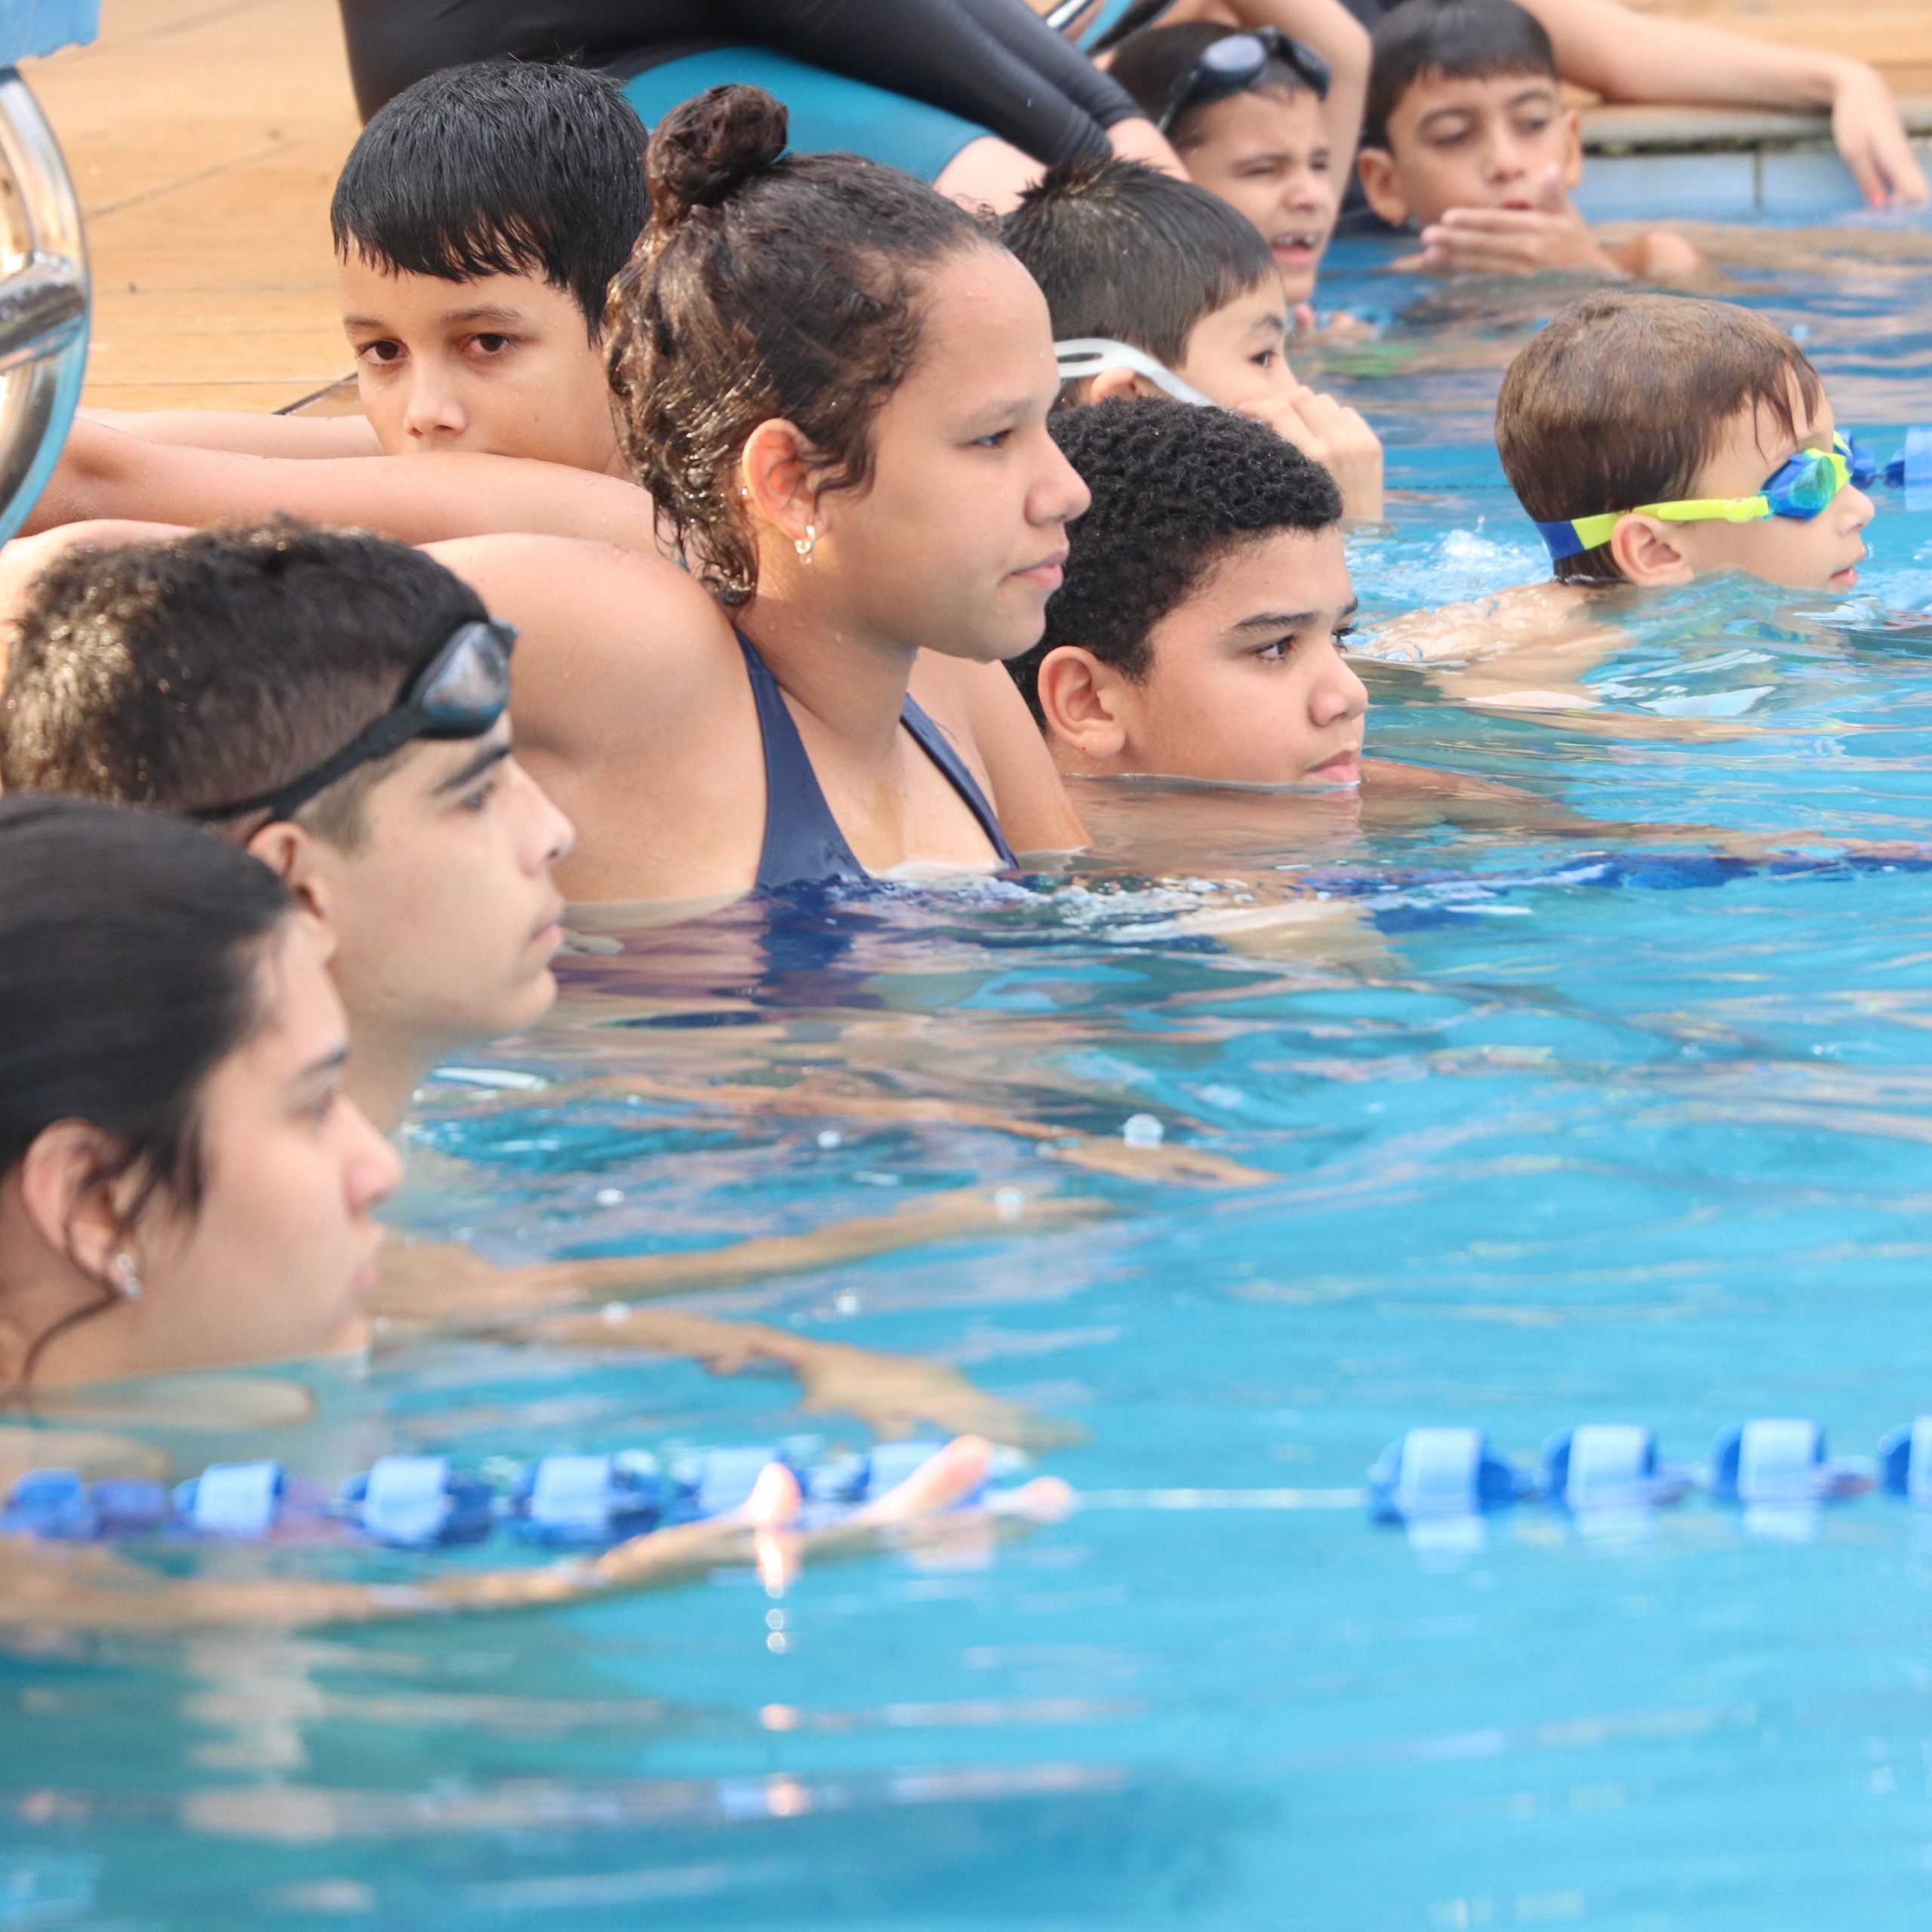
point(1079, 697)
point(1573, 150)
point(293, 855)
point(1111, 383)
point(1648, 551)
point(1376, 167)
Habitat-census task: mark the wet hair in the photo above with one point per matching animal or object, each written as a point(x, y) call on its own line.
point(765, 287)
point(1126, 252)
point(1451, 40)
point(131, 967)
point(1176, 488)
point(1152, 63)
point(1624, 397)
point(220, 664)
point(500, 167)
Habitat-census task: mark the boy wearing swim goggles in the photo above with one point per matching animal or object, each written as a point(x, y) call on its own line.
point(1654, 439)
point(1156, 288)
point(1266, 123)
point(335, 703)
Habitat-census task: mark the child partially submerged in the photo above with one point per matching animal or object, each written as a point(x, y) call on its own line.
point(1466, 139)
point(1654, 440)
point(1156, 287)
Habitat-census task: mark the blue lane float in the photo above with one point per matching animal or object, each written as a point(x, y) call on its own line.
point(1434, 1473)
point(563, 1502)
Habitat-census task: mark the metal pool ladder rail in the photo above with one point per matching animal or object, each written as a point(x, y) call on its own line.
point(43, 287)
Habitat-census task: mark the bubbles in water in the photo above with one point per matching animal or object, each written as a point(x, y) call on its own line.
point(1143, 1131)
point(609, 1197)
point(1009, 1203)
point(830, 1138)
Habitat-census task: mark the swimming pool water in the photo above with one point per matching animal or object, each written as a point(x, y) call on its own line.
point(1539, 1147)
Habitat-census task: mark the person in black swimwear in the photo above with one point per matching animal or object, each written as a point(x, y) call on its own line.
point(990, 62)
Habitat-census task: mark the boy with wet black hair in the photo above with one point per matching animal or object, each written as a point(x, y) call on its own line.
point(1196, 632)
point(477, 222)
point(1176, 294)
point(1467, 138)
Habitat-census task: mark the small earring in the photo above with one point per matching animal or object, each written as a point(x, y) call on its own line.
point(131, 1282)
point(808, 543)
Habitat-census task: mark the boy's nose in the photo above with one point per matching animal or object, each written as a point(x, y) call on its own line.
point(1861, 507)
point(1502, 157)
point(433, 410)
point(1339, 695)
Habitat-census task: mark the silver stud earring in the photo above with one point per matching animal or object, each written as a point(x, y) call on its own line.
point(808, 543)
point(131, 1282)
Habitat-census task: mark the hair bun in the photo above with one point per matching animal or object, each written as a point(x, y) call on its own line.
point(707, 148)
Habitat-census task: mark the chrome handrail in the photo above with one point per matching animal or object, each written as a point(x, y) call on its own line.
point(43, 301)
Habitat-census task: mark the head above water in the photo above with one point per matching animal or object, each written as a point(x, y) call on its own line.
point(1125, 254)
point(1628, 398)
point(479, 221)
point(1194, 636)
point(215, 668)
point(181, 1182)
point(1263, 149)
point(1464, 110)
point(835, 383)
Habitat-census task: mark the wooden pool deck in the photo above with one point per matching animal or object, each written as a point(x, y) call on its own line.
point(205, 136)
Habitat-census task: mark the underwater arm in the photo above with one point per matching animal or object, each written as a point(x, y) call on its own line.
point(63, 1589)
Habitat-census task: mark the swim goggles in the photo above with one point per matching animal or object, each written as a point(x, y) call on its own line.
point(1088, 355)
point(1804, 485)
point(460, 691)
point(1237, 62)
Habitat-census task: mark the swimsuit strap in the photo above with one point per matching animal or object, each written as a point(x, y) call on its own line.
point(803, 845)
point(933, 742)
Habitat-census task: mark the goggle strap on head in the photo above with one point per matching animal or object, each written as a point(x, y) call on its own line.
point(1848, 463)
point(409, 718)
point(1085, 355)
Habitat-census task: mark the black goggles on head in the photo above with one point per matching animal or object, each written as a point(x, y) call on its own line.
point(1237, 62)
point(460, 691)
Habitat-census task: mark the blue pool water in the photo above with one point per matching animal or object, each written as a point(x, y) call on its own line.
point(1535, 1148)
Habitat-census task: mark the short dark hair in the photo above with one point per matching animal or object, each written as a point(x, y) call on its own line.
point(131, 949)
point(767, 285)
point(1152, 64)
point(219, 664)
point(1621, 401)
point(500, 167)
point(1123, 251)
point(1176, 487)
point(1455, 40)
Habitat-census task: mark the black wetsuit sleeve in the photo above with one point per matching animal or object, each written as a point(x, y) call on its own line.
point(991, 61)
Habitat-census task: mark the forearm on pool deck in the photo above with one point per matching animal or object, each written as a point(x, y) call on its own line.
point(417, 500)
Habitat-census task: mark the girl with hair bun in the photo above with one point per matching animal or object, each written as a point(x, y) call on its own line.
point(835, 383)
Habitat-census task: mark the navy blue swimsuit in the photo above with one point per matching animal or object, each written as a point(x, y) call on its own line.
point(803, 845)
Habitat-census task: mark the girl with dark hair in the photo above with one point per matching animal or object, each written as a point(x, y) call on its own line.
point(182, 1180)
point(183, 1184)
point(835, 385)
